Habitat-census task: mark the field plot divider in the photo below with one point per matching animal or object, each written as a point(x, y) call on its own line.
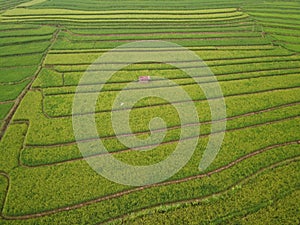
point(9, 117)
point(126, 192)
point(163, 104)
point(195, 200)
point(142, 147)
point(4, 174)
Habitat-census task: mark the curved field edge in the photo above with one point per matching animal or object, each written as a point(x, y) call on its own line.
point(35, 156)
point(53, 168)
point(81, 170)
point(68, 177)
point(41, 124)
point(242, 203)
point(279, 210)
point(81, 218)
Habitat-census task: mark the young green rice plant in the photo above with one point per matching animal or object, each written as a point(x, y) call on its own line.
point(258, 77)
point(48, 78)
point(226, 208)
point(11, 92)
point(54, 154)
point(59, 130)
point(84, 178)
point(166, 36)
point(28, 31)
point(282, 209)
point(4, 109)
point(230, 88)
point(123, 29)
point(11, 145)
point(18, 61)
point(10, 75)
point(19, 49)
point(9, 41)
point(66, 44)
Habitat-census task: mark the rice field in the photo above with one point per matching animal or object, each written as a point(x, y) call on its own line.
point(251, 47)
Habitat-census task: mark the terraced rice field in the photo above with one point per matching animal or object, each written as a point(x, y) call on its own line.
point(252, 47)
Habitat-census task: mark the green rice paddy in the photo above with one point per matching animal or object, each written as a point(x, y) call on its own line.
point(253, 49)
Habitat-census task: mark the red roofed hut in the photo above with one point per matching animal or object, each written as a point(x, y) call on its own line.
point(143, 79)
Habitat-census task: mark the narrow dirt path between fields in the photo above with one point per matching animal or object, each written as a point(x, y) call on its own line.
point(196, 200)
point(154, 131)
point(11, 113)
point(126, 192)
